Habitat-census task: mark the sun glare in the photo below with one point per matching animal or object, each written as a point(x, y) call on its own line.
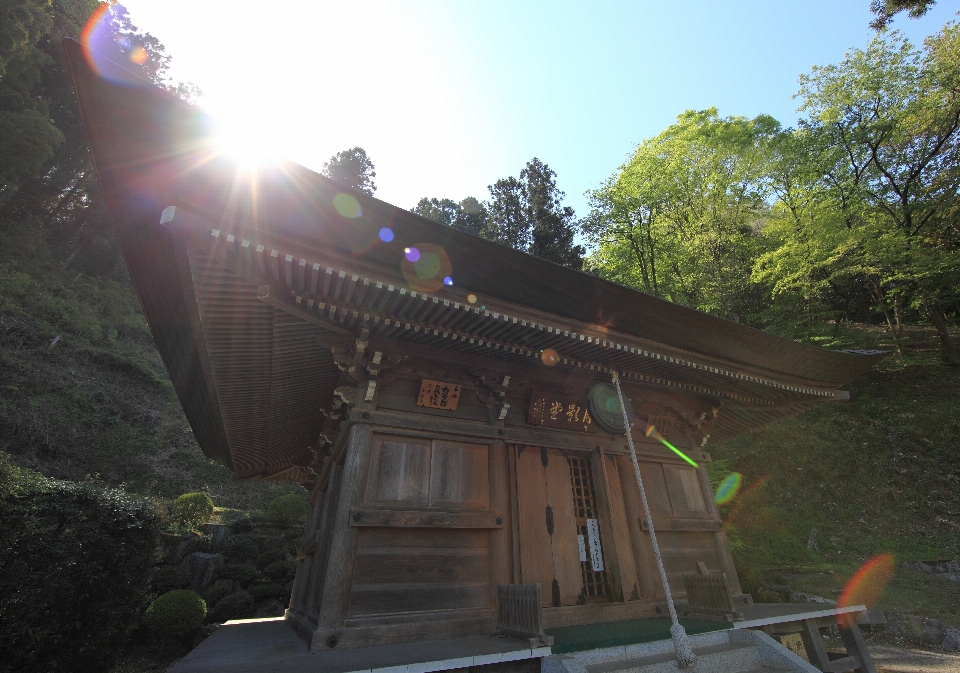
point(250, 140)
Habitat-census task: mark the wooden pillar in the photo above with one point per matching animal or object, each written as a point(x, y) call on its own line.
point(720, 537)
point(324, 531)
point(501, 544)
point(343, 542)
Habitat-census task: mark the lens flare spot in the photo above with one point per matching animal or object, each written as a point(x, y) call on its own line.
point(386, 234)
point(347, 205)
point(728, 488)
point(138, 55)
point(549, 357)
point(472, 298)
point(650, 430)
point(612, 404)
point(448, 281)
point(426, 267)
point(105, 45)
point(866, 586)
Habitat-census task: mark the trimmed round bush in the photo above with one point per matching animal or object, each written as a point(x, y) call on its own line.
point(77, 560)
point(216, 593)
point(176, 613)
point(240, 548)
point(261, 592)
point(240, 573)
point(239, 605)
point(191, 510)
point(287, 509)
point(241, 525)
point(280, 571)
point(169, 578)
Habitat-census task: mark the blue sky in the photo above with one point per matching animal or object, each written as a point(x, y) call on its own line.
point(448, 97)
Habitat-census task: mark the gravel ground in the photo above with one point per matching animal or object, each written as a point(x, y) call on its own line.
point(891, 659)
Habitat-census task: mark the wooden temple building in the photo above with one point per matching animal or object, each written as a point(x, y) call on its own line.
point(452, 437)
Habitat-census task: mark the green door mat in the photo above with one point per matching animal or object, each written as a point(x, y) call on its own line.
point(611, 634)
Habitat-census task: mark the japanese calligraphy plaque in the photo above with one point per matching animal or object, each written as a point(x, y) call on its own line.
point(555, 411)
point(438, 395)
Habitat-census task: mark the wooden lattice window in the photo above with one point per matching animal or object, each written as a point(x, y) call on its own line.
point(595, 585)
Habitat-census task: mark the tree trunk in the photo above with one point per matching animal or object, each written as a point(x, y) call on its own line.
point(878, 295)
point(940, 322)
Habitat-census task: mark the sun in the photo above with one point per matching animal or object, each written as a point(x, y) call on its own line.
point(250, 137)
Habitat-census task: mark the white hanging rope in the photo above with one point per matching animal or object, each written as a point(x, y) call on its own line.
point(681, 642)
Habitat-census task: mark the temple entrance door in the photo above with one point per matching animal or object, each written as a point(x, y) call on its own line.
point(552, 514)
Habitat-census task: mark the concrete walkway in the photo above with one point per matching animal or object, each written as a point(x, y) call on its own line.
point(271, 646)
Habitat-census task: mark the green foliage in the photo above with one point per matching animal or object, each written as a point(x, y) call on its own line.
point(242, 574)
point(287, 509)
point(469, 215)
point(352, 168)
point(217, 592)
point(262, 592)
point(679, 219)
point(526, 214)
point(280, 571)
point(240, 547)
point(76, 561)
point(192, 510)
point(176, 613)
point(169, 578)
point(238, 605)
point(242, 525)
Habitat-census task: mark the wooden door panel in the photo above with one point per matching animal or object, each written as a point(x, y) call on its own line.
point(684, 488)
point(655, 487)
point(459, 476)
point(536, 558)
point(629, 577)
point(565, 551)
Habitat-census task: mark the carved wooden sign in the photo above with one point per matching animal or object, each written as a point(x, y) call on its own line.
point(554, 411)
point(438, 395)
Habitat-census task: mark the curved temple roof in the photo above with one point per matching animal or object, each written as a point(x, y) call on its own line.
point(240, 271)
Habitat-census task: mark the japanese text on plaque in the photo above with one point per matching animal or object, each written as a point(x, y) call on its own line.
point(438, 395)
point(554, 412)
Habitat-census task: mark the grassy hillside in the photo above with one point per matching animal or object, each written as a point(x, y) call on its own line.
point(83, 390)
point(876, 474)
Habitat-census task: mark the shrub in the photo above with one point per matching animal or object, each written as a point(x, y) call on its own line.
point(240, 548)
point(768, 596)
point(76, 559)
point(169, 578)
point(242, 525)
point(287, 509)
point(280, 571)
point(240, 573)
point(269, 556)
point(176, 613)
point(216, 593)
point(191, 510)
point(198, 543)
point(239, 605)
point(262, 592)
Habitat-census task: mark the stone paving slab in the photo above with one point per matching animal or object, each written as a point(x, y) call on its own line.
point(270, 645)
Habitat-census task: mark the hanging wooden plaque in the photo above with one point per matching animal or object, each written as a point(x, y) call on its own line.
point(556, 411)
point(438, 395)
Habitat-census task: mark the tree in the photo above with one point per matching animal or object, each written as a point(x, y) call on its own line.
point(889, 120)
point(527, 214)
point(352, 168)
point(887, 9)
point(469, 215)
point(49, 197)
point(680, 219)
